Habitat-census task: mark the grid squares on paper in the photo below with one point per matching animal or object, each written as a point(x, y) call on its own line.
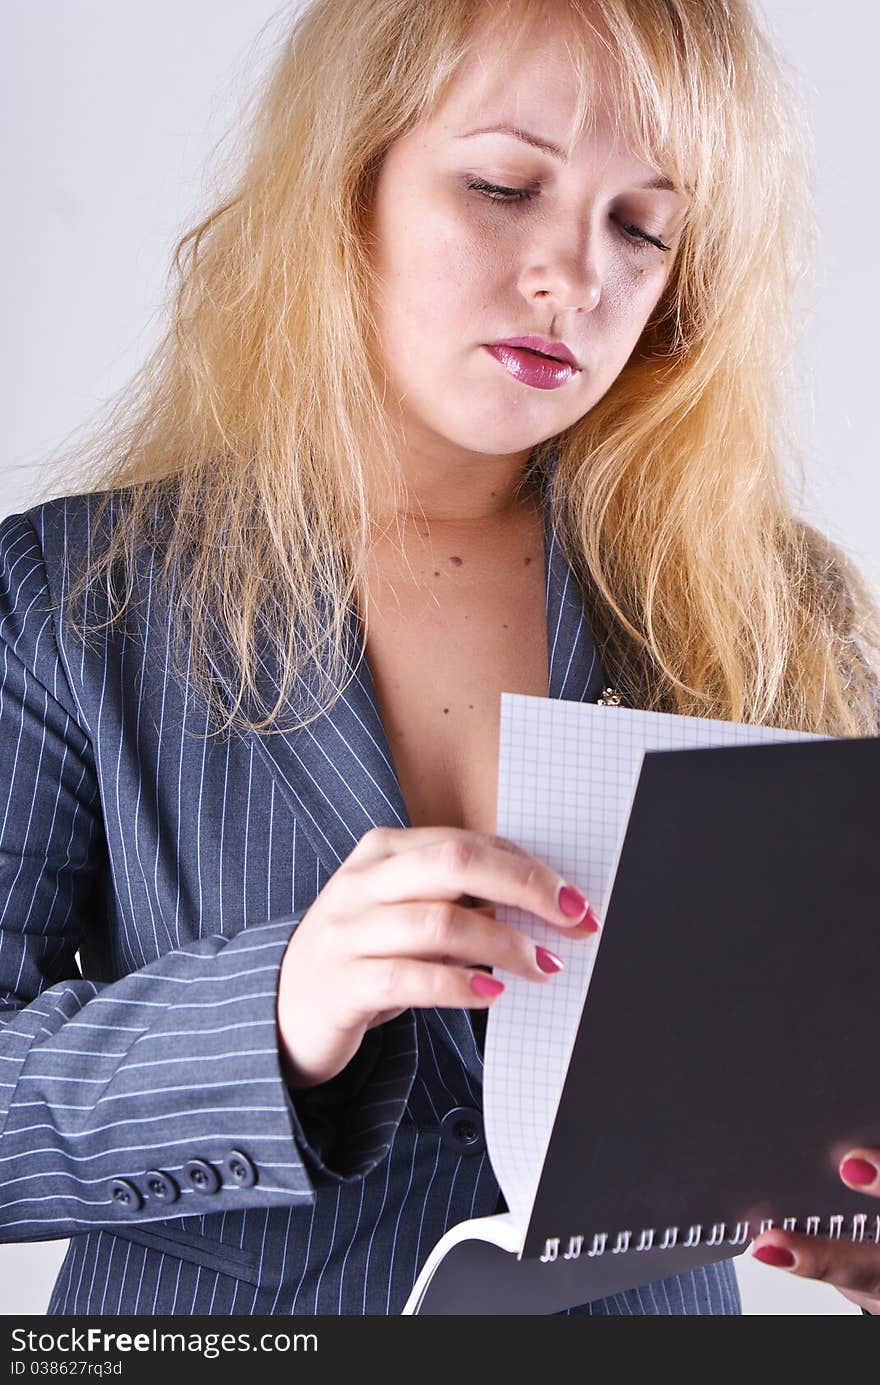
point(566, 776)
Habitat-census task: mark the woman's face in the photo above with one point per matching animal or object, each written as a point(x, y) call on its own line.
point(564, 259)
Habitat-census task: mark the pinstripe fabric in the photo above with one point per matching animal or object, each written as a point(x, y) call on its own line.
point(179, 867)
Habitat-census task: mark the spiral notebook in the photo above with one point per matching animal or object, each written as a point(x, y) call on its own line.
point(691, 1076)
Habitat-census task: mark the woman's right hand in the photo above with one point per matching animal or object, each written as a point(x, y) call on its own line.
point(385, 933)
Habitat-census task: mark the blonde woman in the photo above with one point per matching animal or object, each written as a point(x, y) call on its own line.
point(252, 658)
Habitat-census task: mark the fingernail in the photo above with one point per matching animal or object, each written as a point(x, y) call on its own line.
point(486, 985)
point(858, 1171)
point(548, 961)
point(571, 902)
point(591, 922)
point(777, 1256)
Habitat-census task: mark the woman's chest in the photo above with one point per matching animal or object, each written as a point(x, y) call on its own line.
point(439, 666)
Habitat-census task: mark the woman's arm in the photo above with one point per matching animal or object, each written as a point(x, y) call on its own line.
point(174, 1062)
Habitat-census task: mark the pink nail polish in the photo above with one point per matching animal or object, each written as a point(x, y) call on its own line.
point(571, 902)
point(777, 1256)
point(858, 1171)
point(547, 960)
point(486, 985)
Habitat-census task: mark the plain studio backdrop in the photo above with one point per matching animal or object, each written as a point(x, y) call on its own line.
point(111, 114)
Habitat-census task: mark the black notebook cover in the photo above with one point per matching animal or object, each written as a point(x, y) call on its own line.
point(725, 1059)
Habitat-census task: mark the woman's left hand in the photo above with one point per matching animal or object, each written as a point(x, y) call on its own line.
point(853, 1267)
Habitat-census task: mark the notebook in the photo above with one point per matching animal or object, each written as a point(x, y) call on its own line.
point(691, 1076)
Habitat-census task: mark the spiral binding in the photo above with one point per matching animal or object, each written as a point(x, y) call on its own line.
point(713, 1235)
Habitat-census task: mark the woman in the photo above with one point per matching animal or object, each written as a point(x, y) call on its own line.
point(252, 668)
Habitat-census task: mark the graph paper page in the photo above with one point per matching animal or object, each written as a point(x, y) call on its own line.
point(566, 776)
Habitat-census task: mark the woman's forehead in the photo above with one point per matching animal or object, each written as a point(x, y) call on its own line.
point(551, 63)
point(557, 80)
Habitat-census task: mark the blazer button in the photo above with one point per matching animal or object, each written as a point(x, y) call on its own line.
point(240, 1168)
point(461, 1130)
point(201, 1175)
point(126, 1195)
point(161, 1186)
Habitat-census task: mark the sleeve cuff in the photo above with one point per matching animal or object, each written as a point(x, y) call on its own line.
point(344, 1128)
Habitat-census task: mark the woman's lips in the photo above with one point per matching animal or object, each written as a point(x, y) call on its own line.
point(541, 372)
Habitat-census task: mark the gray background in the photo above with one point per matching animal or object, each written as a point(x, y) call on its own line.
point(114, 112)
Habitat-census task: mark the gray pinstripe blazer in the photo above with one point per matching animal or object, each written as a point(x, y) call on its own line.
point(143, 1111)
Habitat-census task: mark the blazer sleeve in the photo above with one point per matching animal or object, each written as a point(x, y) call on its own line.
point(178, 1061)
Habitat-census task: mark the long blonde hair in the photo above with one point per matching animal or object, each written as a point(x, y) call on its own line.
point(705, 591)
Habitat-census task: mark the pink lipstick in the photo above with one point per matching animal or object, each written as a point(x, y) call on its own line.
point(543, 364)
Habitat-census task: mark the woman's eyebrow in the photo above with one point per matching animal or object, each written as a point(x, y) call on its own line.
point(539, 142)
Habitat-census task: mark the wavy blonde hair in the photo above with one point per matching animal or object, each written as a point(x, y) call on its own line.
point(706, 593)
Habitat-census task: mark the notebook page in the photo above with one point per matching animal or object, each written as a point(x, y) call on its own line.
point(567, 773)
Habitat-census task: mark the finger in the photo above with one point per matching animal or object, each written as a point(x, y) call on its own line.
point(852, 1265)
point(381, 842)
point(403, 982)
point(442, 931)
point(472, 863)
point(860, 1170)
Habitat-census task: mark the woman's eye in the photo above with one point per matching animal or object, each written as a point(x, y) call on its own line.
point(498, 193)
point(639, 239)
point(644, 238)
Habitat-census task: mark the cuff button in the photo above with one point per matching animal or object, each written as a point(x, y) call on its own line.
point(161, 1186)
point(201, 1176)
point(125, 1195)
point(242, 1170)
